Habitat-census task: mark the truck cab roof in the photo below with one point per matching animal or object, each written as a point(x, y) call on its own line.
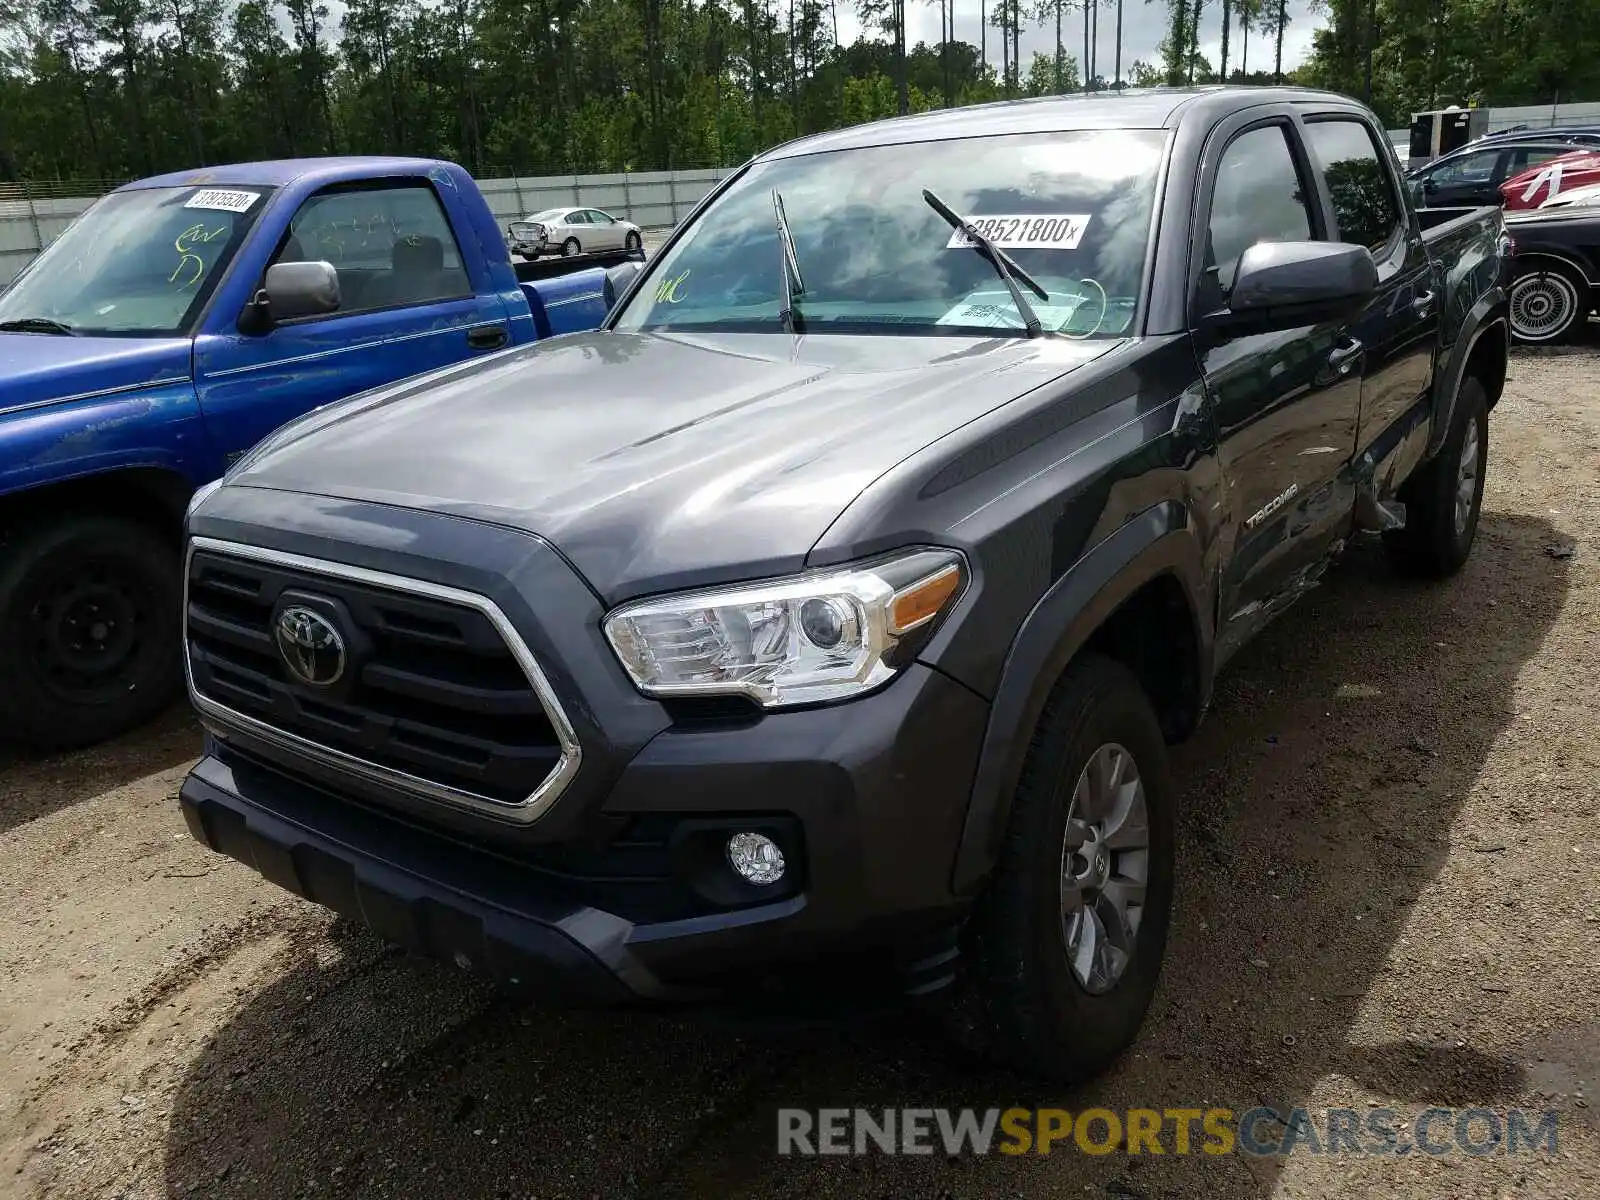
point(283, 171)
point(1132, 108)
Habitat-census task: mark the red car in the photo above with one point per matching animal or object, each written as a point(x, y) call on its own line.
point(1539, 183)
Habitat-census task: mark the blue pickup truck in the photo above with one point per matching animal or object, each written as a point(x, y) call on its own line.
point(173, 325)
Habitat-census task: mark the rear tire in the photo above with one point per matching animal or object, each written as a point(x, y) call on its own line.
point(1549, 303)
point(89, 630)
point(633, 241)
point(570, 247)
point(1445, 497)
point(1036, 1010)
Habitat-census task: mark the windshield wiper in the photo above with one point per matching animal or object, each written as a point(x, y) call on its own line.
point(38, 325)
point(1005, 266)
point(793, 285)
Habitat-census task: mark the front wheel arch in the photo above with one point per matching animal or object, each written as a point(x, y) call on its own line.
point(1158, 549)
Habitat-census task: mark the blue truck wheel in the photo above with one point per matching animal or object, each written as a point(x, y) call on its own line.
point(89, 629)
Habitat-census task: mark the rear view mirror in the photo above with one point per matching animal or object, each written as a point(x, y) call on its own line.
point(290, 290)
point(1281, 285)
point(617, 281)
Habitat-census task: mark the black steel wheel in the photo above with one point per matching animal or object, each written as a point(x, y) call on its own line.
point(89, 630)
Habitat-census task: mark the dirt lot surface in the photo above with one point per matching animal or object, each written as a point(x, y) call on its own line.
point(1387, 897)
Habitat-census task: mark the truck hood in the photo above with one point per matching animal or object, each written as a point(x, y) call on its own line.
point(655, 461)
point(37, 368)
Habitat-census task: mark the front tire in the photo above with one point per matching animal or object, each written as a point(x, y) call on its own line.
point(89, 630)
point(1445, 497)
point(1066, 945)
point(570, 247)
point(1549, 303)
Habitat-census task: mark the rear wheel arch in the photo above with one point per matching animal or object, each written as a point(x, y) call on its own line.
point(1136, 598)
point(1487, 360)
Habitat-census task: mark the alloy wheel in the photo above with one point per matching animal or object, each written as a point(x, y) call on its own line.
point(1105, 868)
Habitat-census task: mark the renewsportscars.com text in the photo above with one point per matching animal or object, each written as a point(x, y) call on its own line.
point(1256, 1131)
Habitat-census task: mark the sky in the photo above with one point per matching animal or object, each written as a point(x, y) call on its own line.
point(1144, 24)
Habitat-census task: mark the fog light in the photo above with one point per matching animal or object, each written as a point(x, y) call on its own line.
point(756, 857)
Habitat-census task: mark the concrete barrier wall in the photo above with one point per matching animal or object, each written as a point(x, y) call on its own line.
point(651, 199)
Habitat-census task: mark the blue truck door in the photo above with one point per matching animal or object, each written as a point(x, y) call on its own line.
point(410, 300)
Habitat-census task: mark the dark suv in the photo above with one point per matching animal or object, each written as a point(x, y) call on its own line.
point(1474, 173)
point(822, 622)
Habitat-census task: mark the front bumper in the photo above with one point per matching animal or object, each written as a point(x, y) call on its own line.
point(868, 799)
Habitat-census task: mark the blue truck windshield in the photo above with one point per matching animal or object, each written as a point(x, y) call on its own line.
point(1072, 209)
point(139, 263)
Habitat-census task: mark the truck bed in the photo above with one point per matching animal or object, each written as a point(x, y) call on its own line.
point(1440, 223)
point(1468, 247)
point(532, 270)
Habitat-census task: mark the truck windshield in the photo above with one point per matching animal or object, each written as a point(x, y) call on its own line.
point(1072, 209)
point(138, 263)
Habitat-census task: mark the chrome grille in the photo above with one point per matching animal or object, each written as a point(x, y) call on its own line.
point(443, 698)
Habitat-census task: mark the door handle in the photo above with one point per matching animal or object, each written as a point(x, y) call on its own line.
point(1423, 304)
point(1343, 359)
point(487, 337)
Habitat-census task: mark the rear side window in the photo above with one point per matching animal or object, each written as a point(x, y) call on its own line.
point(1363, 197)
point(1258, 198)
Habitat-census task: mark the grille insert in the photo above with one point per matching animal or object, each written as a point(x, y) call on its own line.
point(441, 696)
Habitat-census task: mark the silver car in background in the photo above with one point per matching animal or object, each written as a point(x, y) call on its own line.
point(569, 231)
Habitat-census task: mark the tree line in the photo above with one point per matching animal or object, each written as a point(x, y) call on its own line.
point(1414, 55)
point(114, 89)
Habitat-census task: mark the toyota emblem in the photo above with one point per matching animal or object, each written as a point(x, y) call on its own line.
point(310, 646)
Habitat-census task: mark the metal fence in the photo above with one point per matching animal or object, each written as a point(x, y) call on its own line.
point(31, 217)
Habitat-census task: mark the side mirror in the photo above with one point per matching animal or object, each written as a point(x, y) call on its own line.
point(292, 289)
point(618, 279)
point(1428, 185)
point(1282, 285)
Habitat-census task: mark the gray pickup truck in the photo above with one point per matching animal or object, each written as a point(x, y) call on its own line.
point(822, 621)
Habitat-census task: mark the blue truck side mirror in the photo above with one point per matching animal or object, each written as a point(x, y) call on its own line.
point(289, 290)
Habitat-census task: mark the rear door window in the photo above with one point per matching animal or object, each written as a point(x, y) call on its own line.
point(1359, 183)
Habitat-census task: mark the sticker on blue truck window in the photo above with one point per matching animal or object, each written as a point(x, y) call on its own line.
point(222, 200)
point(1025, 231)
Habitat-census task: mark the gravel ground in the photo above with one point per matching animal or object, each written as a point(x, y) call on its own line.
point(1386, 898)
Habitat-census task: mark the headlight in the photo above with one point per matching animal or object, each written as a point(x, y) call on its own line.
point(810, 638)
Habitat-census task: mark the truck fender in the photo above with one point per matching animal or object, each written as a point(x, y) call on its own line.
point(154, 432)
point(1486, 318)
point(1161, 540)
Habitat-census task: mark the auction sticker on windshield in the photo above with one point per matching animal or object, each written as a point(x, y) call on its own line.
point(996, 310)
point(1025, 231)
point(222, 200)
